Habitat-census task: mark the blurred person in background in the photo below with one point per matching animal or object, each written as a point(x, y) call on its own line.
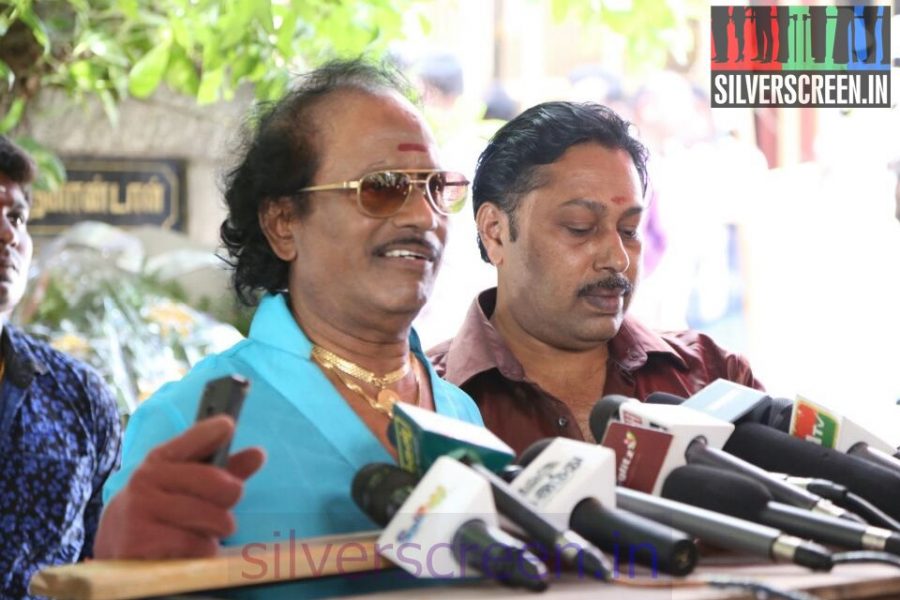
point(59, 425)
point(461, 134)
point(558, 196)
point(337, 217)
point(707, 181)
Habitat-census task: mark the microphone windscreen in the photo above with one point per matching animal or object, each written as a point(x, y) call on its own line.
point(664, 398)
point(379, 489)
point(717, 490)
point(531, 452)
point(605, 410)
point(776, 451)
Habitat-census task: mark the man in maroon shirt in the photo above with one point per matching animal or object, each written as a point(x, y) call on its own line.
point(558, 198)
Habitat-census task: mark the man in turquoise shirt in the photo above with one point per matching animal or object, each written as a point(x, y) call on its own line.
point(337, 218)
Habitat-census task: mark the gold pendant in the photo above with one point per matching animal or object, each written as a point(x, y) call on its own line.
point(387, 398)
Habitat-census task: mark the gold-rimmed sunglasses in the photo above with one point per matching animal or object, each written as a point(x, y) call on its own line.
point(381, 194)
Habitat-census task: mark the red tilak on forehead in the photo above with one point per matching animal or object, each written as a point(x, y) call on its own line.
point(412, 148)
point(620, 200)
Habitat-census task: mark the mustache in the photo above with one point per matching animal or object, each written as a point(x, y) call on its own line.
point(434, 249)
point(615, 282)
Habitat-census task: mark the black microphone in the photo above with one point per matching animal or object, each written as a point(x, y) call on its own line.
point(572, 549)
point(664, 398)
point(725, 531)
point(874, 455)
point(722, 530)
point(699, 454)
point(695, 435)
point(738, 496)
point(655, 544)
point(780, 452)
point(420, 436)
point(380, 490)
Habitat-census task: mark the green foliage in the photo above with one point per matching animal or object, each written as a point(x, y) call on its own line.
point(51, 171)
point(656, 30)
point(112, 49)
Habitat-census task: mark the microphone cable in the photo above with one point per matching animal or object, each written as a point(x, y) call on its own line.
point(855, 503)
point(758, 589)
point(865, 556)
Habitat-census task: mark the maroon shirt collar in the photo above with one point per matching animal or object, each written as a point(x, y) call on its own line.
point(478, 347)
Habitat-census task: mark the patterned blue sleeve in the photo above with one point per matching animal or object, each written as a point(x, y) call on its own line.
point(107, 436)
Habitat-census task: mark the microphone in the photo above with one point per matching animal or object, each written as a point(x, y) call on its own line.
point(736, 495)
point(780, 452)
point(727, 532)
point(573, 484)
point(815, 423)
point(698, 453)
point(681, 424)
point(734, 403)
point(866, 452)
point(438, 513)
point(647, 455)
point(420, 436)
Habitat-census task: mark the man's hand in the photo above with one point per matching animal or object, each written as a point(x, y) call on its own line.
point(175, 506)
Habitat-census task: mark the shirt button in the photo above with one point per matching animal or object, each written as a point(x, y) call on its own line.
point(562, 422)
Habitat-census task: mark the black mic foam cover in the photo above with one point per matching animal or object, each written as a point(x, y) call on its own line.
point(531, 452)
point(380, 489)
point(664, 398)
point(717, 490)
point(605, 410)
point(777, 451)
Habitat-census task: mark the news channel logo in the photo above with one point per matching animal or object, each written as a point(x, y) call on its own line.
point(801, 56)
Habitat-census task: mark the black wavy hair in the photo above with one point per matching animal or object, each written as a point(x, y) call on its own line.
point(508, 167)
point(17, 164)
point(280, 154)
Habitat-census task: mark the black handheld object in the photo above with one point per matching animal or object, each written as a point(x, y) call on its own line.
point(780, 452)
point(224, 395)
point(656, 544)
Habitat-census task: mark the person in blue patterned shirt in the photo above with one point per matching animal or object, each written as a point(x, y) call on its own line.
point(59, 426)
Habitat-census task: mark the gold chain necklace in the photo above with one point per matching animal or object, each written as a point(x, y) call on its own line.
point(326, 358)
point(386, 399)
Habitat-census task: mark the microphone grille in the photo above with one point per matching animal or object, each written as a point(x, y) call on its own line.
point(379, 489)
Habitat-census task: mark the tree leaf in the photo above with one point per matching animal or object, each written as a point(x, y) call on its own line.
point(51, 171)
point(109, 107)
point(147, 73)
point(6, 74)
point(210, 84)
point(182, 74)
point(13, 115)
point(38, 28)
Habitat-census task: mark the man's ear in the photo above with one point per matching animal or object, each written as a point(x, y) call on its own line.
point(275, 219)
point(493, 230)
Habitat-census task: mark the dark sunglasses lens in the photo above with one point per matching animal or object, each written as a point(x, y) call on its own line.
point(383, 193)
point(448, 190)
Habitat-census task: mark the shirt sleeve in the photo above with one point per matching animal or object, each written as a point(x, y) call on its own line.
point(157, 420)
point(107, 443)
point(737, 369)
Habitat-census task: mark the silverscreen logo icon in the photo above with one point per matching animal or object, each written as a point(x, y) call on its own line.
point(815, 56)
